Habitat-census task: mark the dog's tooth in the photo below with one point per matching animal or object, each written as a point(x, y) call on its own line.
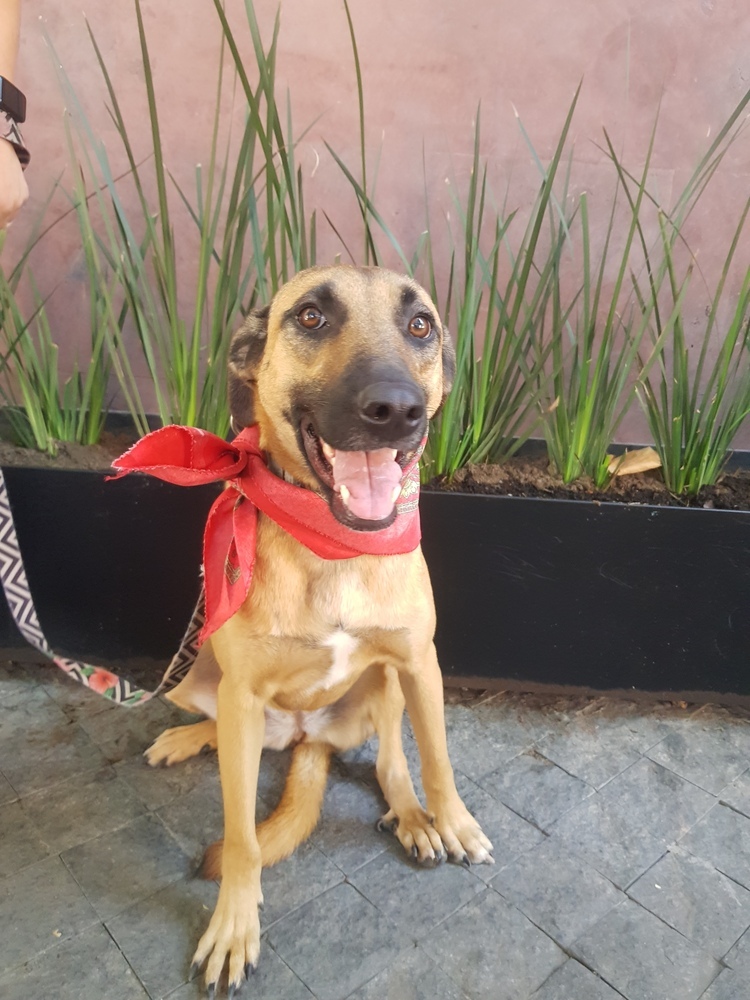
point(393, 454)
point(396, 494)
point(345, 494)
point(328, 451)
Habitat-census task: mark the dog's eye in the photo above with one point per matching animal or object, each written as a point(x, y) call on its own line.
point(311, 318)
point(420, 327)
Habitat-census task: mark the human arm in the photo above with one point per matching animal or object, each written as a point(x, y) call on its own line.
point(13, 188)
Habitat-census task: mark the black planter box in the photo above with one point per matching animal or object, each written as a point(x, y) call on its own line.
point(113, 567)
point(529, 593)
point(604, 597)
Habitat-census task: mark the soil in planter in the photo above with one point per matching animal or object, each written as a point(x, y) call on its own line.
point(531, 476)
point(581, 707)
point(90, 457)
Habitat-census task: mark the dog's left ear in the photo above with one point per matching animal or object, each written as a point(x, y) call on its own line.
point(245, 353)
point(449, 365)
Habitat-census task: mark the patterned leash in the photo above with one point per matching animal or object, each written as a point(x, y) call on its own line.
point(18, 595)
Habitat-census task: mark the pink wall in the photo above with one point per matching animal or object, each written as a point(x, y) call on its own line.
point(426, 65)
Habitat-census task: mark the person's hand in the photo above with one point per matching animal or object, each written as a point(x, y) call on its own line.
point(13, 188)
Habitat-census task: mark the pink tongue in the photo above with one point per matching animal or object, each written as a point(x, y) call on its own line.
point(370, 477)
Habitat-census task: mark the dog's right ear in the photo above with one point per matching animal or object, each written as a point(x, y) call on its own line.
point(245, 353)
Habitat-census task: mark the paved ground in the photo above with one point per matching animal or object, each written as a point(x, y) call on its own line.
point(622, 841)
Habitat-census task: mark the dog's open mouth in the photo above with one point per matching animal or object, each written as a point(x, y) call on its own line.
point(364, 485)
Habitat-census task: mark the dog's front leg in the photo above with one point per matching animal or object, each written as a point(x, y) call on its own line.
point(422, 684)
point(233, 935)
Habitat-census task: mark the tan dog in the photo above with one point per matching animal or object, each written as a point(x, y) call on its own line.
point(343, 371)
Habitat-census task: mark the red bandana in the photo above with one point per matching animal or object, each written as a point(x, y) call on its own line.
point(191, 457)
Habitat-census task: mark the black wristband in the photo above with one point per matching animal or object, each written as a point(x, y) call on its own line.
point(10, 131)
point(12, 101)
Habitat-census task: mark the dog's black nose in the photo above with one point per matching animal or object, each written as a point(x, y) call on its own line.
point(394, 410)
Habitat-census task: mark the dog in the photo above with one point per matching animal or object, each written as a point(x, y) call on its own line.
point(341, 375)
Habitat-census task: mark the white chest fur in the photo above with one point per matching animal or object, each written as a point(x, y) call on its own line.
point(342, 645)
point(283, 728)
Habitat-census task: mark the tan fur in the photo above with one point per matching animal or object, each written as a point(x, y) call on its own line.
point(296, 815)
point(275, 654)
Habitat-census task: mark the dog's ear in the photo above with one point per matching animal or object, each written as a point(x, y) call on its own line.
point(449, 365)
point(245, 353)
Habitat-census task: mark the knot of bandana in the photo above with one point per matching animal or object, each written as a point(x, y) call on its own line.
point(188, 456)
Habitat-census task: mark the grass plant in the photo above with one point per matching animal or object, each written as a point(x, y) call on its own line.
point(694, 406)
point(248, 211)
point(549, 331)
point(595, 341)
point(40, 406)
point(495, 301)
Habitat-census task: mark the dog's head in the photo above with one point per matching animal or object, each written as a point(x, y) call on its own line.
point(342, 373)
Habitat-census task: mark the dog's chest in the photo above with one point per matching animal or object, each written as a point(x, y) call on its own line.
point(287, 721)
point(297, 593)
point(342, 646)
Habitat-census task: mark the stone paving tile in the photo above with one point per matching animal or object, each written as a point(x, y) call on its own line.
point(7, 791)
point(698, 901)
point(737, 795)
point(88, 966)
point(360, 761)
point(413, 976)
point(47, 753)
point(596, 748)
point(159, 786)
point(346, 832)
point(723, 838)
point(481, 739)
point(26, 709)
point(334, 935)
point(708, 756)
point(511, 835)
point(273, 980)
point(640, 956)
point(493, 950)
point(336, 943)
point(296, 880)
point(536, 789)
point(574, 981)
point(196, 819)
point(39, 907)
point(21, 843)
point(73, 698)
point(159, 935)
point(415, 898)
point(126, 732)
point(274, 767)
point(728, 986)
point(81, 808)
point(630, 822)
point(557, 891)
point(121, 868)
point(739, 956)
point(15, 683)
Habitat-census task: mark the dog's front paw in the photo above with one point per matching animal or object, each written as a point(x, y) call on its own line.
point(175, 745)
point(462, 835)
point(232, 939)
point(417, 835)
